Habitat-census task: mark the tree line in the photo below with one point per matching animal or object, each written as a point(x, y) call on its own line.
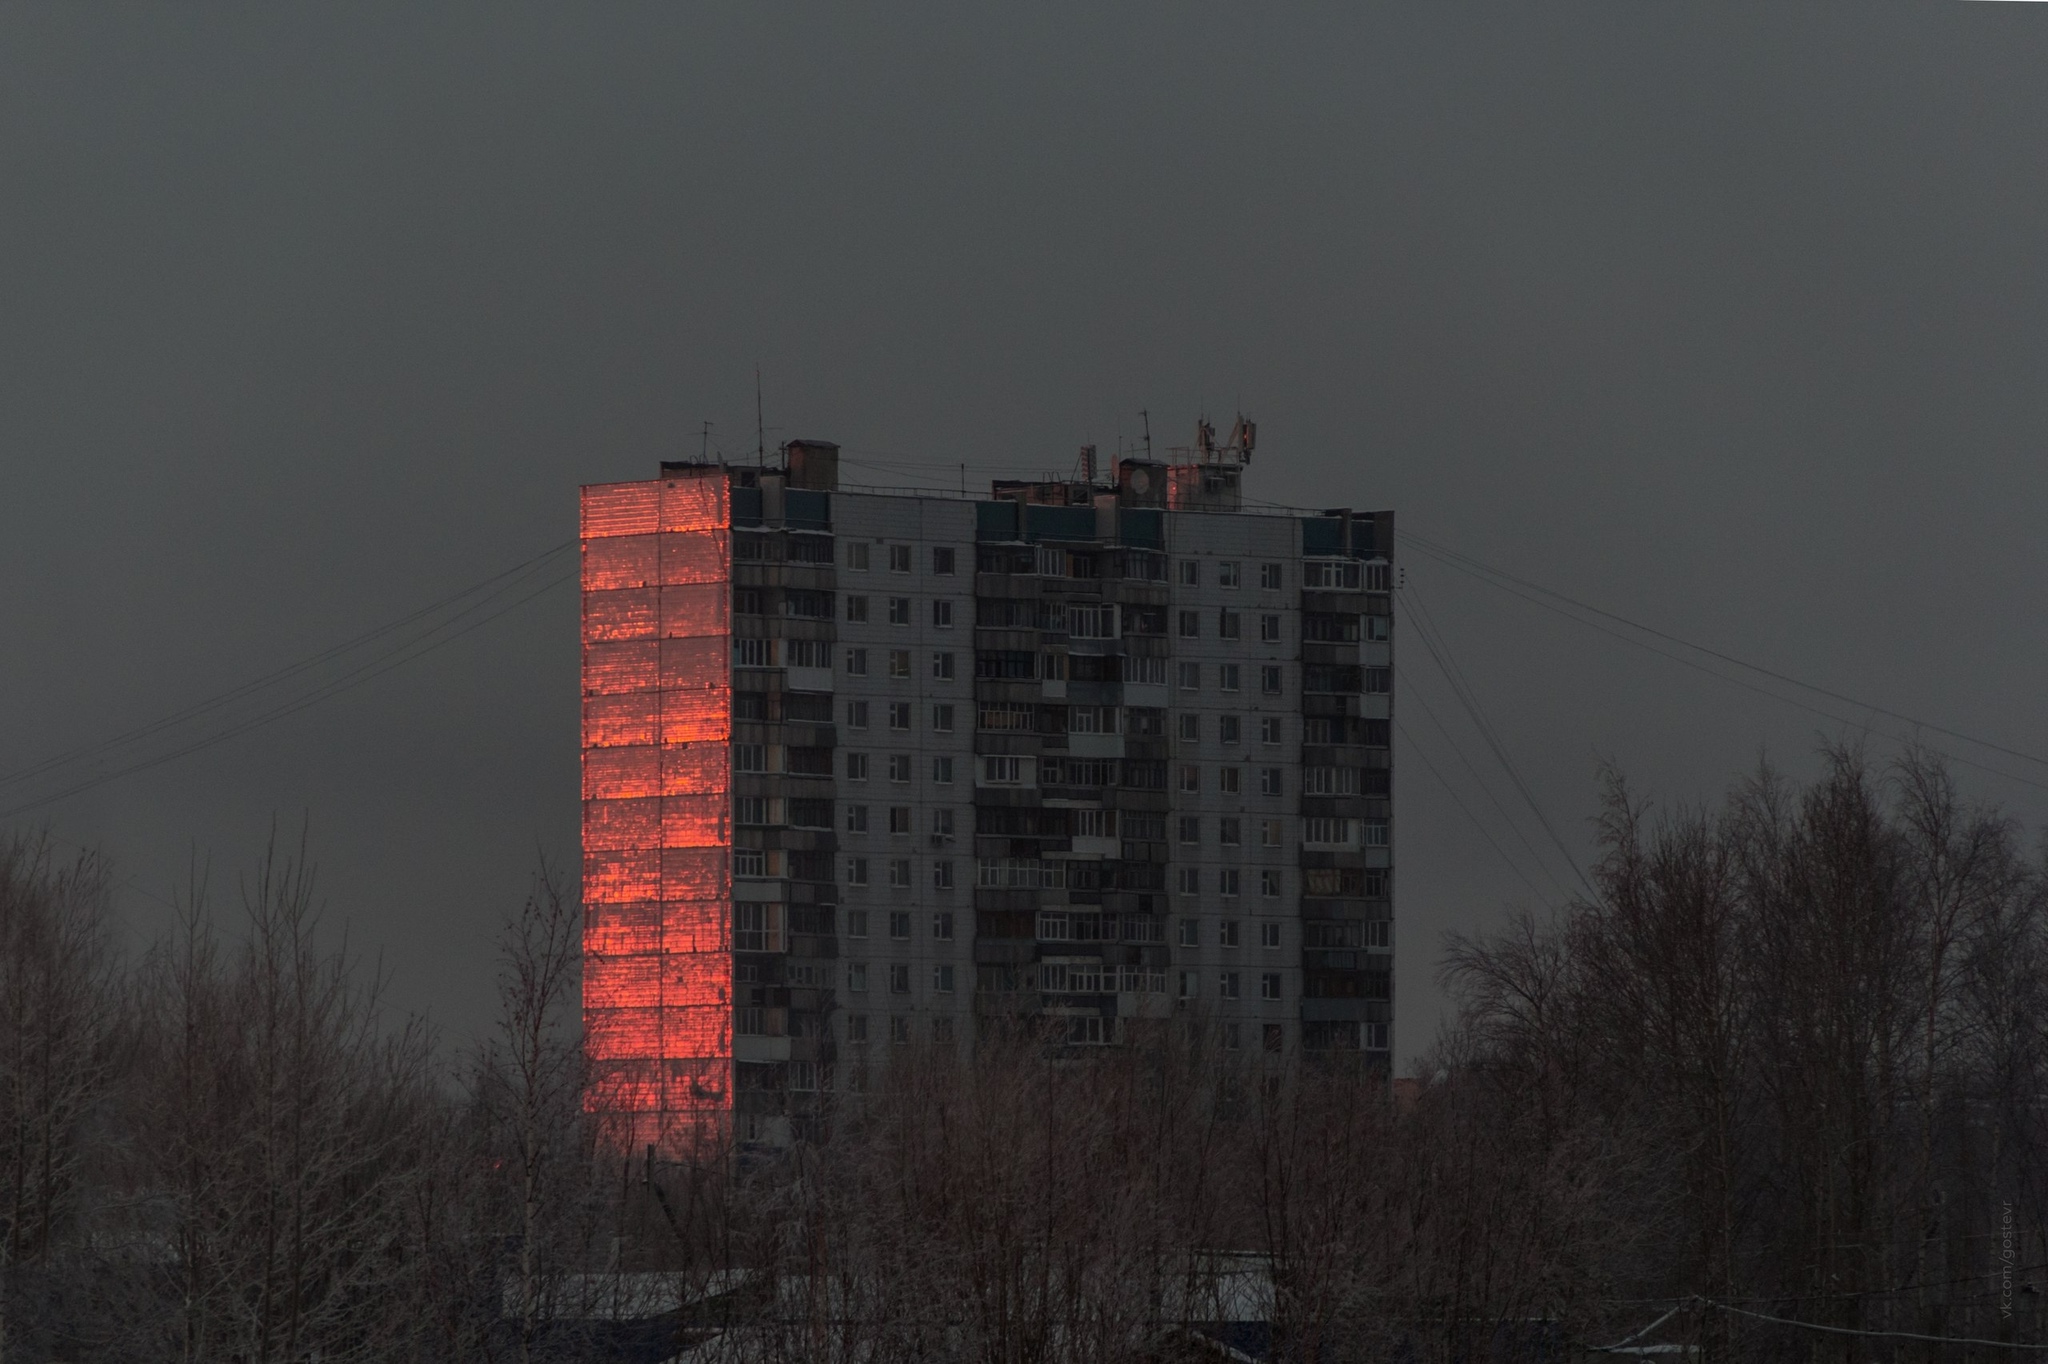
point(1784, 1065)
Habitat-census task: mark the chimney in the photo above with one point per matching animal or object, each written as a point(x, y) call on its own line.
point(813, 465)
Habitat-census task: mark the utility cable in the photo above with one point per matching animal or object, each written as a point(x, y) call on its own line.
point(1459, 800)
point(1439, 649)
point(1479, 568)
point(286, 673)
point(356, 677)
point(1698, 666)
point(1880, 1335)
point(1487, 791)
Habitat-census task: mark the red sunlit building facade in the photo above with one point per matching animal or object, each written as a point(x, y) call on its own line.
point(657, 808)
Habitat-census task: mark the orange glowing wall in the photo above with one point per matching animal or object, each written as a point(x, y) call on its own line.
point(657, 805)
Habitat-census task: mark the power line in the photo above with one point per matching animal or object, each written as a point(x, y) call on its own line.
point(1439, 650)
point(1479, 568)
point(523, 569)
point(407, 651)
point(1459, 800)
point(1487, 791)
point(1881, 1335)
point(1697, 665)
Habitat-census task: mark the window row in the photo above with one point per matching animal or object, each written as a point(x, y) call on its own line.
point(899, 715)
point(1230, 985)
point(900, 873)
point(1229, 625)
point(1229, 882)
point(897, 766)
point(1230, 574)
point(944, 559)
point(1227, 934)
point(899, 821)
point(899, 611)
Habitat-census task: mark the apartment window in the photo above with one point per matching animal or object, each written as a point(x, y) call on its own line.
point(1269, 833)
point(857, 556)
point(942, 615)
point(1233, 1036)
point(899, 610)
point(1190, 624)
point(1191, 828)
point(753, 653)
point(899, 715)
point(1375, 833)
point(1002, 771)
point(1269, 782)
point(856, 662)
point(1269, 679)
point(1226, 676)
point(899, 767)
point(1377, 627)
point(942, 826)
point(856, 767)
point(1269, 935)
point(899, 1030)
point(857, 609)
point(1190, 677)
point(1230, 831)
point(942, 719)
point(1227, 882)
point(942, 667)
point(1269, 729)
point(1191, 727)
point(749, 862)
point(1269, 985)
point(899, 558)
point(942, 561)
point(749, 705)
point(1227, 624)
point(899, 977)
point(1375, 1037)
point(1190, 778)
point(750, 757)
point(856, 715)
point(942, 979)
point(746, 601)
point(942, 876)
point(1190, 572)
point(1269, 629)
point(899, 819)
point(1190, 932)
point(857, 875)
point(942, 771)
point(1145, 672)
point(899, 873)
point(751, 810)
point(1269, 884)
point(1379, 681)
point(757, 927)
point(1226, 933)
point(1325, 831)
point(1227, 779)
point(1226, 573)
point(1190, 881)
point(1226, 985)
point(1228, 728)
point(857, 977)
point(1270, 577)
point(807, 653)
point(856, 819)
point(899, 924)
point(942, 925)
point(857, 920)
point(1189, 984)
point(899, 664)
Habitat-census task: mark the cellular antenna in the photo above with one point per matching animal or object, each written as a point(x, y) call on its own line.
point(760, 430)
point(1145, 414)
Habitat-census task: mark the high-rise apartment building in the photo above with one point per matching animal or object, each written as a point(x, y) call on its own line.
point(863, 769)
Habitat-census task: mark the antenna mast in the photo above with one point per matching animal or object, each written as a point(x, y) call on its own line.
point(760, 430)
point(1146, 414)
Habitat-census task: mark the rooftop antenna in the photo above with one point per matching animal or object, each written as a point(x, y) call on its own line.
point(1146, 414)
point(704, 448)
point(760, 431)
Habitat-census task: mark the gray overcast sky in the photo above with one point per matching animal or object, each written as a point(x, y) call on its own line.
point(1728, 319)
